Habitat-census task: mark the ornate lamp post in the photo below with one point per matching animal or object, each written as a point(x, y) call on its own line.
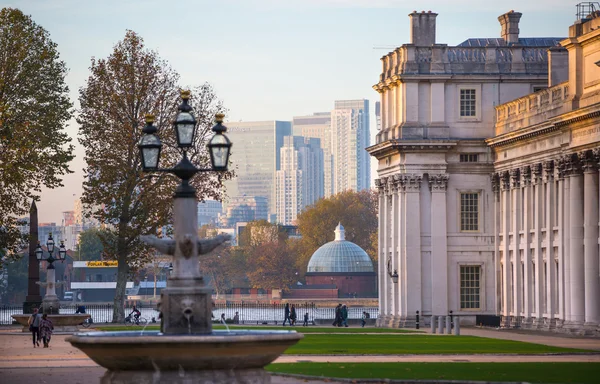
point(50, 302)
point(393, 275)
point(186, 304)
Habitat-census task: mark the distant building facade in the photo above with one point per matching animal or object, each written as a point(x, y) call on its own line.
point(209, 212)
point(244, 209)
point(349, 138)
point(256, 158)
point(318, 125)
point(299, 181)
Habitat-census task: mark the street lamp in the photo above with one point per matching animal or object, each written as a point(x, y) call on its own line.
point(50, 302)
point(185, 285)
point(394, 275)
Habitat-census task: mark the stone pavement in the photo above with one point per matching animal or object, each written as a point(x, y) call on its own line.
point(64, 364)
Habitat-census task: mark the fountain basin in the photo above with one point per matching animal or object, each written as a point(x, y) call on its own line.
point(62, 323)
point(229, 357)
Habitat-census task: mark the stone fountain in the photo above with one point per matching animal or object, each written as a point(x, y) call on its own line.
point(186, 349)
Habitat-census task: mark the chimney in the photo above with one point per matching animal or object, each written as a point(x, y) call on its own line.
point(510, 26)
point(422, 28)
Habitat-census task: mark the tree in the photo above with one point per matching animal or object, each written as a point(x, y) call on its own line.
point(34, 108)
point(357, 211)
point(120, 90)
point(90, 244)
point(270, 264)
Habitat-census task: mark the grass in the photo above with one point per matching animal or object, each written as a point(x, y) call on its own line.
point(516, 372)
point(331, 344)
point(371, 341)
point(331, 330)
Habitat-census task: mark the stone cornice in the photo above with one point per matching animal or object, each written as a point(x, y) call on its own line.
point(394, 146)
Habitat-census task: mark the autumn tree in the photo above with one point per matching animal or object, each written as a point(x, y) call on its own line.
point(121, 89)
point(357, 211)
point(270, 264)
point(34, 108)
point(91, 246)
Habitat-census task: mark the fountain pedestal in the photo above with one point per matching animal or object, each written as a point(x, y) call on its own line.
point(186, 307)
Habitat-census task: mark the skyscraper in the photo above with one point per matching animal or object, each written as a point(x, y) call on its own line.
point(255, 157)
point(299, 181)
point(349, 138)
point(318, 125)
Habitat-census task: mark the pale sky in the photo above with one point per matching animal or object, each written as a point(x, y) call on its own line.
point(267, 59)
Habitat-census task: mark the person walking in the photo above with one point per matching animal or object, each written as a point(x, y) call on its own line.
point(364, 318)
point(236, 318)
point(305, 324)
point(46, 328)
point(344, 313)
point(337, 322)
point(34, 326)
point(286, 314)
point(293, 315)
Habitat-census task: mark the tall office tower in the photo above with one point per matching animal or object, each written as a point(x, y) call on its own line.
point(349, 138)
point(378, 115)
point(255, 158)
point(208, 212)
point(244, 209)
point(318, 125)
point(299, 182)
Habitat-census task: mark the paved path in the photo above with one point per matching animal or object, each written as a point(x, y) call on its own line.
point(64, 364)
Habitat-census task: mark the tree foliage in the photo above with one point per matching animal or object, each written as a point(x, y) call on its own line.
point(34, 108)
point(121, 89)
point(270, 264)
point(90, 244)
point(356, 211)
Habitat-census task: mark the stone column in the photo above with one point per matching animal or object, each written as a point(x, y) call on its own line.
point(566, 225)
point(590, 240)
point(495, 180)
point(527, 225)
point(439, 247)
point(550, 260)
point(506, 267)
point(398, 236)
point(560, 174)
point(538, 262)
point(515, 185)
point(412, 251)
point(381, 275)
point(576, 247)
point(393, 252)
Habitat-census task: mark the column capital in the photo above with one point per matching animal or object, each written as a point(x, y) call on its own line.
point(505, 181)
point(515, 178)
point(536, 171)
point(399, 181)
point(412, 182)
point(495, 180)
point(596, 152)
point(559, 166)
point(588, 161)
point(548, 171)
point(380, 185)
point(438, 182)
point(526, 176)
point(573, 165)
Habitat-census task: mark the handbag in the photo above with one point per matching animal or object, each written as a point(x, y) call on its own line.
point(30, 328)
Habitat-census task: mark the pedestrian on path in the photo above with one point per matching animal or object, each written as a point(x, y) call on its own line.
point(293, 315)
point(34, 326)
point(46, 328)
point(305, 324)
point(286, 314)
point(344, 313)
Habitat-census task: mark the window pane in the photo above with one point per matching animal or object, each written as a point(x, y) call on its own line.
point(469, 286)
point(469, 211)
point(468, 103)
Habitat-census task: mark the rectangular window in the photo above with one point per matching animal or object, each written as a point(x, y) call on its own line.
point(468, 100)
point(469, 157)
point(470, 286)
point(469, 211)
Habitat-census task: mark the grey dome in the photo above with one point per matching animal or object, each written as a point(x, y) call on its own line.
point(340, 255)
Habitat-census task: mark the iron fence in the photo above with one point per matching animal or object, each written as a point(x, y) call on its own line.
point(248, 313)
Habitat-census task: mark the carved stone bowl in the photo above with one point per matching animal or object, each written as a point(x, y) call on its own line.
point(153, 351)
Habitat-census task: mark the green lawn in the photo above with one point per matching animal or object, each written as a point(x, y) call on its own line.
point(529, 372)
point(331, 344)
point(298, 329)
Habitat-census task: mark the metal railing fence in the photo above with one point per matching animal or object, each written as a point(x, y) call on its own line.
point(248, 313)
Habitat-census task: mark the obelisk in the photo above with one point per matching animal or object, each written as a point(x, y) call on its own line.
point(33, 299)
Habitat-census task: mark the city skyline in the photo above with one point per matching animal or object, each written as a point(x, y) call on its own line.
point(323, 50)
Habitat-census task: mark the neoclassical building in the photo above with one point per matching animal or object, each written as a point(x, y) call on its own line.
point(453, 116)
